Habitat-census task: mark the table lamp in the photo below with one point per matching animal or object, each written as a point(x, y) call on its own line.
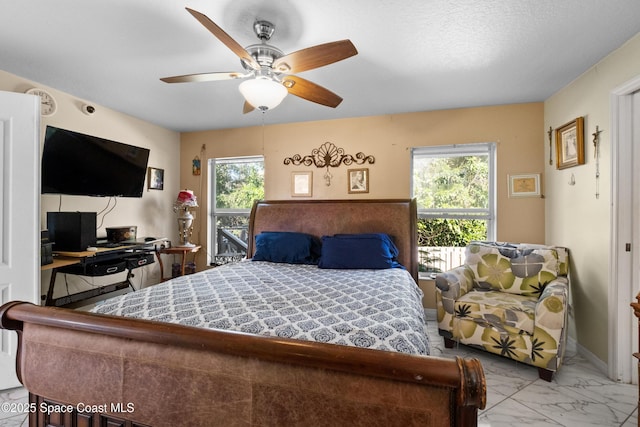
point(186, 199)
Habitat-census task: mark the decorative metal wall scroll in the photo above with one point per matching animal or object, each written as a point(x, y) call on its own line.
point(328, 155)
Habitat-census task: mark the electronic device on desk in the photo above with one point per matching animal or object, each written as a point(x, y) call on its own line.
point(162, 243)
point(107, 244)
point(92, 261)
point(122, 233)
point(72, 231)
point(96, 268)
point(140, 259)
point(46, 248)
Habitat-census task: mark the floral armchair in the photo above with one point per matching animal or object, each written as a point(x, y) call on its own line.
point(508, 299)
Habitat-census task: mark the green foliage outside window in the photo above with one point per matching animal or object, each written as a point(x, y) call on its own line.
point(238, 185)
point(449, 184)
point(450, 232)
point(452, 182)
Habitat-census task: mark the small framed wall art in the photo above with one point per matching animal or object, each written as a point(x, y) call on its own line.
point(570, 144)
point(156, 179)
point(526, 185)
point(195, 166)
point(301, 184)
point(358, 180)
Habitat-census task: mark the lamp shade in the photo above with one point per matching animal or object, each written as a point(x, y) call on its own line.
point(263, 93)
point(185, 199)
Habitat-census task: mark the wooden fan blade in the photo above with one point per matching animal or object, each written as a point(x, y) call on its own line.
point(247, 108)
point(225, 38)
point(310, 91)
point(315, 56)
point(204, 77)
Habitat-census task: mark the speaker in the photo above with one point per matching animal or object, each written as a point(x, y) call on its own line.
point(72, 231)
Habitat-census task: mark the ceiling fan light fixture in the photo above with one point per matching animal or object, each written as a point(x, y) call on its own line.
point(263, 93)
point(266, 63)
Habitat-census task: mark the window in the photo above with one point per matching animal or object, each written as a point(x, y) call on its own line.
point(235, 184)
point(456, 194)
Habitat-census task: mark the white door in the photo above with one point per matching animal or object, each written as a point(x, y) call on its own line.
point(19, 214)
point(634, 283)
point(625, 231)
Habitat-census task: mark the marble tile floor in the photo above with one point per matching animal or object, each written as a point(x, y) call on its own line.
point(579, 395)
point(8, 415)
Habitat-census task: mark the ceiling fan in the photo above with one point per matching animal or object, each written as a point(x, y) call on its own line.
point(270, 71)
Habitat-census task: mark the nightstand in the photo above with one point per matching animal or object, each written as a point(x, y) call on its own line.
point(176, 250)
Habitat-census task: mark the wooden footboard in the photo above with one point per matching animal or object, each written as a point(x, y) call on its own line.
point(83, 368)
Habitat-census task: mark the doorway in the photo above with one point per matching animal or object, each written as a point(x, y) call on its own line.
point(625, 231)
point(19, 215)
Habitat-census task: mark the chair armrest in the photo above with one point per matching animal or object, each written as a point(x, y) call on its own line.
point(450, 286)
point(454, 283)
point(551, 308)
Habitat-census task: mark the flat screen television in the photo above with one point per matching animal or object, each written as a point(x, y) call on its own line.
point(83, 165)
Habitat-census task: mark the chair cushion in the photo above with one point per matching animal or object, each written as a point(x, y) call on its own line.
point(563, 255)
point(504, 311)
point(508, 268)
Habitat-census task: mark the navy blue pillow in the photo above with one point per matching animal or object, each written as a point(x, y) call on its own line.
point(355, 251)
point(287, 247)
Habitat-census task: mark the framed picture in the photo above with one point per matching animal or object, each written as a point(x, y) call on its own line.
point(195, 166)
point(156, 179)
point(527, 185)
point(358, 180)
point(301, 184)
point(570, 144)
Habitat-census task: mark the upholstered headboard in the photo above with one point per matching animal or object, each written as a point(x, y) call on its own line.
point(396, 218)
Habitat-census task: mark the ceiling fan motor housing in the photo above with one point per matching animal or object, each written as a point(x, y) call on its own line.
point(263, 29)
point(263, 53)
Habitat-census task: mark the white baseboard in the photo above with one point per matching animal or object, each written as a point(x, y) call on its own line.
point(592, 358)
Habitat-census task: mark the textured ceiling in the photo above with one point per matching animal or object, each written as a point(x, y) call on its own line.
point(414, 55)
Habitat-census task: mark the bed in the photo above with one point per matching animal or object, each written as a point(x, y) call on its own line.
point(148, 364)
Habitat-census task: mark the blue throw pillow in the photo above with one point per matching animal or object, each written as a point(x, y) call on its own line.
point(287, 247)
point(359, 251)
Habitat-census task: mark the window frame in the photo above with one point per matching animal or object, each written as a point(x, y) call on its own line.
point(483, 148)
point(213, 211)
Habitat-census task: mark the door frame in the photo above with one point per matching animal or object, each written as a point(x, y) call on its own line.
point(19, 215)
point(623, 326)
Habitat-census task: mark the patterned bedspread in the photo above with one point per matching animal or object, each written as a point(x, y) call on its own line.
point(379, 309)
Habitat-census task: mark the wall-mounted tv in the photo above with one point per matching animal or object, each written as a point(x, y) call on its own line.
point(84, 165)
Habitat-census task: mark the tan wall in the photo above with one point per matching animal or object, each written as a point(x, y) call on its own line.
point(153, 213)
point(517, 130)
point(575, 218)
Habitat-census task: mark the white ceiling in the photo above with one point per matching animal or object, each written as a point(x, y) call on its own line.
point(414, 55)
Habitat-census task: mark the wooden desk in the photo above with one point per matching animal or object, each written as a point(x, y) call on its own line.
point(60, 261)
point(176, 250)
point(63, 259)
